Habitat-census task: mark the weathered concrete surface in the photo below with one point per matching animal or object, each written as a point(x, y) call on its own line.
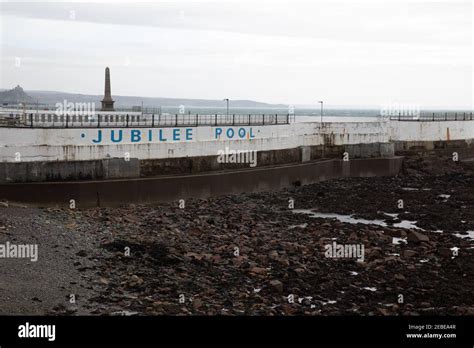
point(464, 148)
point(370, 150)
point(305, 153)
point(79, 144)
point(432, 145)
point(172, 188)
point(113, 168)
point(117, 168)
point(430, 130)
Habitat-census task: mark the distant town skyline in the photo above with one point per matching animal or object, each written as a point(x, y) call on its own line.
point(347, 53)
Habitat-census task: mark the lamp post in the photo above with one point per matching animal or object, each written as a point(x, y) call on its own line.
point(321, 102)
point(320, 128)
point(227, 100)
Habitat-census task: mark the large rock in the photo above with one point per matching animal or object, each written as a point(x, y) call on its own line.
point(417, 237)
point(276, 285)
point(258, 270)
point(407, 253)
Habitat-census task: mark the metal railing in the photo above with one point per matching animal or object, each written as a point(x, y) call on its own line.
point(435, 116)
point(114, 120)
point(39, 108)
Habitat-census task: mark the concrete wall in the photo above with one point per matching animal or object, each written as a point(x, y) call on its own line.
point(73, 170)
point(29, 155)
point(431, 131)
point(439, 136)
point(14, 172)
point(78, 144)
point(173, 188)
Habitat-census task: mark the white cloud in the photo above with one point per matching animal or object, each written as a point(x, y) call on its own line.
point(345, 52)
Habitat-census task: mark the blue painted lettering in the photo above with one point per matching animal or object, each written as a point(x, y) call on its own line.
point(189, 134)
point(135, 136)
point(176, 134)
point(112, 136)
point(161, 136)
point(251, 133)
point(99, 137)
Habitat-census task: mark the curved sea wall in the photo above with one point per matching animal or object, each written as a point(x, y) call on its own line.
point(59, 154)
point(431, 130)
point(82, 144)
point(432, 135)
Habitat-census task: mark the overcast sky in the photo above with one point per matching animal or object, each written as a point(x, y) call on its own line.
point(342, 52)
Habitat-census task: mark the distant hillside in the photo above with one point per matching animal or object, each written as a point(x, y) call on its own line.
point(15, 96)
point(52, 97)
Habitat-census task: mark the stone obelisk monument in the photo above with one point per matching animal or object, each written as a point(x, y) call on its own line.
point(107, 102)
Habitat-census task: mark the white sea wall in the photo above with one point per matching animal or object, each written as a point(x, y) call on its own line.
point(76, 144)
point(69, 144)
point(431, 130)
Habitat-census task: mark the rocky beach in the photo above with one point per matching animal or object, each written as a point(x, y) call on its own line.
point(256, 254)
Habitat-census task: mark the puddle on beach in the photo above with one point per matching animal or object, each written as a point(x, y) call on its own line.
point(392, 215)
point(468, 235)
point(406, 224)
point(298, 226)
point(370, 289)
point(410, 225)
point(342, 218)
